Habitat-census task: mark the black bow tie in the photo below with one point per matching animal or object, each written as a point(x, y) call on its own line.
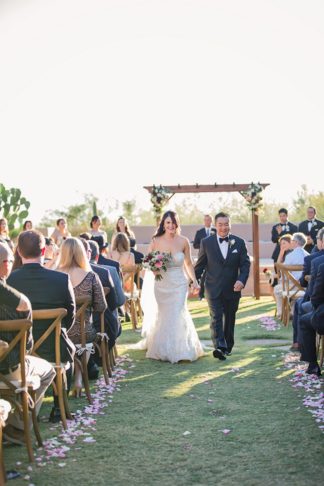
point(223, 239)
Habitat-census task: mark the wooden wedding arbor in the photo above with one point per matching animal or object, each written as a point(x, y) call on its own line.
point(197, 188)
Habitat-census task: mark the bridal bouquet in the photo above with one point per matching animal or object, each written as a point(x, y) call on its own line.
point(157, 261)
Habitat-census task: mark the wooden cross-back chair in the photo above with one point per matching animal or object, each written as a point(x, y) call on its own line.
point(5, 408)
point(83, 348)
point(102, 341)
point(60, 383)
point(291, 289)
point(133, 293)
point(320, 348)
point(13, 389)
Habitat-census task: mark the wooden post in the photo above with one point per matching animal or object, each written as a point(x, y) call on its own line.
point(256, 253)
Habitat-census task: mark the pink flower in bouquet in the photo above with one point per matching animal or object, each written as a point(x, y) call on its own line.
point(158, 264)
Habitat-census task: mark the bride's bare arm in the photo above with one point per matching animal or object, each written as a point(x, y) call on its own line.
point(189, 265)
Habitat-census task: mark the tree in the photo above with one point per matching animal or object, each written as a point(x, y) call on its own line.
point(14, 207)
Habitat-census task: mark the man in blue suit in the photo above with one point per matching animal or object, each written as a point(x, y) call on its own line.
point(312, 323)
point(300, 306)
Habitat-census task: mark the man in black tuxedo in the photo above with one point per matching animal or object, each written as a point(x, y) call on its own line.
point(227, 264)
point(310, 228)
point(46, 289)
point(284, 227)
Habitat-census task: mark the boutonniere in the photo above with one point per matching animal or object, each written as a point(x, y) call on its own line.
point(231, 242)
point(314, 223)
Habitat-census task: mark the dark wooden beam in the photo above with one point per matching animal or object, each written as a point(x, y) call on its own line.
point(196, 188)
point(256, 254)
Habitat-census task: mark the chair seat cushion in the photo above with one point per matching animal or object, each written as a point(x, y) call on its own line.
point(32, 382)
point(64, 366)
point(130, 296)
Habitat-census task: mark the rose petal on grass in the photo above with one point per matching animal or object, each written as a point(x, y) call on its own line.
point(186, 433)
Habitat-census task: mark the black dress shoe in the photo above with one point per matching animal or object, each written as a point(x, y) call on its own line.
point(219, 353)
point(228, 353)
point(313, 369)
point(55, 415)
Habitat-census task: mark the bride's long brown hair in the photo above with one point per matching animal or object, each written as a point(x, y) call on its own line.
point(175, 220)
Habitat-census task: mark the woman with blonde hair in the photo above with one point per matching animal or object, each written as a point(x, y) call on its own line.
point(74, 262)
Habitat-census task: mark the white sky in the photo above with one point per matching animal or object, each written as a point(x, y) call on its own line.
point(106, 96)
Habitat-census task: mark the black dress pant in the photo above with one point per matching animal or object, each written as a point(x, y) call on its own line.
point(223, 312)
point(308, 341)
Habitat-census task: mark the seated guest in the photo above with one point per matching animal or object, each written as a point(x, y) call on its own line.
point(14, 305)
point(92, 250)
point(312, 323)
point(28, 225)
point(122, 226)
point(85, 236)
point(280, 229)
point(295, 257)
point(51, 253)
point(310, 228)
point(4, 233)
point(309, 258)
point(61, 232)
point(112, 324)
point(203, 232)
point(303, 304)
point(74, 262)
point(95, 256)
point(103, 260)
point(284, 249)
point(46, 289)
point(298, 254)
point(95, 225)
point(121, 253)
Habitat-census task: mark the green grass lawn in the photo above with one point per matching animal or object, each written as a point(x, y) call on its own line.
point(140, 440)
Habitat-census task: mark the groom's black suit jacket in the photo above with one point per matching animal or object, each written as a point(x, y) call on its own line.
point(221, 274)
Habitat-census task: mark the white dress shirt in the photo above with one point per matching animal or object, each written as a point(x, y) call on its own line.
point(296, 257)
point(222, 246)
point(310, 224)
point(207, 231)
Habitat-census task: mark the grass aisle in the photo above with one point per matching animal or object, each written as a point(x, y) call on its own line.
point(140, 441)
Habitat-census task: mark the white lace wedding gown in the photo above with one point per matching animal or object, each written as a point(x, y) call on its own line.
point(168, 330)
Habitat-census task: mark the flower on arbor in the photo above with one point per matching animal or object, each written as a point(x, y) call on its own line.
point(253, 196)
point(159, 196)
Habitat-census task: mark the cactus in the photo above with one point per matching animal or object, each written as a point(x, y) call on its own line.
point(13, 206)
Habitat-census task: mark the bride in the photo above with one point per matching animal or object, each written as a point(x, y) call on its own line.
point(168, 329)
